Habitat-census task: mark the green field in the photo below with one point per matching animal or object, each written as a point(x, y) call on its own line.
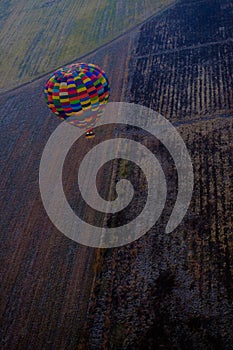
point(39, 35)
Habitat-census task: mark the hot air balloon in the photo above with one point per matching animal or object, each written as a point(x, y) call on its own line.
point(78, 94)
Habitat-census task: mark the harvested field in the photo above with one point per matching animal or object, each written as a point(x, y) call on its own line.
point(175, 290)
point(186, 75)
point(163, 291)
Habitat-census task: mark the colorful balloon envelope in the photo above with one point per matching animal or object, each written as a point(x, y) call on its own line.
point(78, 94)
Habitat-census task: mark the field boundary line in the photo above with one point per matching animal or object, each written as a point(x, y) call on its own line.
point(184, 48)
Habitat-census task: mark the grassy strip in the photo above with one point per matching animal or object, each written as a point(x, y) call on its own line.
point(38, 36)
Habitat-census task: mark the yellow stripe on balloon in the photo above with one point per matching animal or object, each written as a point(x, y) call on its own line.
point(81, 89)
